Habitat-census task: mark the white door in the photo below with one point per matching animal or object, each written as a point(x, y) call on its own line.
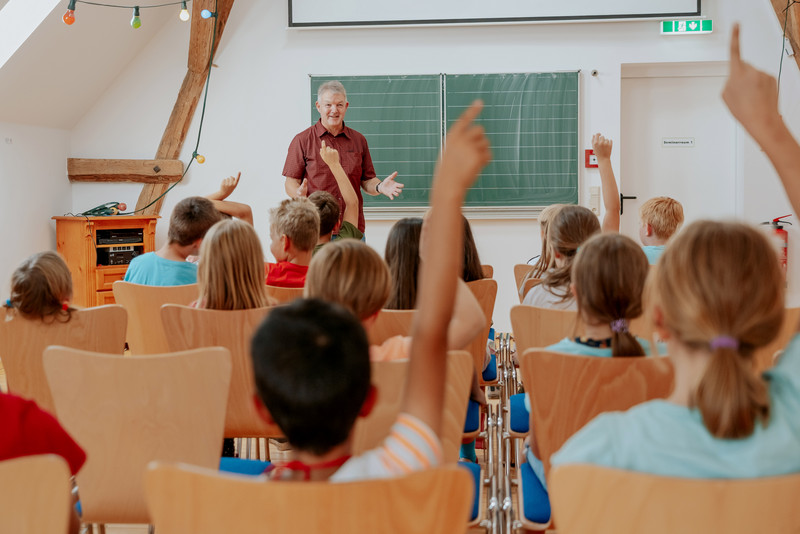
point(677, 139)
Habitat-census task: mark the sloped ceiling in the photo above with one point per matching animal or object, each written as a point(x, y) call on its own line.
point(56, 75)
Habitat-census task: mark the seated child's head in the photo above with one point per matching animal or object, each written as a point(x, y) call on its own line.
point(402, 257)
point(230, 274)
point(568, 230)
point(329, 211)
point(472, 261)
point(608, 278)
point(41, 287)
point(660, 218)
point(294, 227)
point(718, 292)
point(351, 274)
point(312, 372)
point(190, 220)
point(545, 261)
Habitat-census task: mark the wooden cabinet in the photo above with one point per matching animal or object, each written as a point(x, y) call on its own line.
point(97, 250)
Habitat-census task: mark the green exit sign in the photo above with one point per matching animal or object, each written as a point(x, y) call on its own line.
point(685, 27)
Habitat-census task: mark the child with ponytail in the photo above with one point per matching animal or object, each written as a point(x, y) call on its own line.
point(41, 288)
point(717, 296)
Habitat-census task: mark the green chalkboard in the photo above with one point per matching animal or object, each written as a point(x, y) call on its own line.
point(531, 121)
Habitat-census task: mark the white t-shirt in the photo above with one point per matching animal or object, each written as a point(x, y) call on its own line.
point(541, 297)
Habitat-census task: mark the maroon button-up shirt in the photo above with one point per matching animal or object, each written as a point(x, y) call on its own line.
point(304, 162)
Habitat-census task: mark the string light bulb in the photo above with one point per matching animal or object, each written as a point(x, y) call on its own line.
point(136, 22)
point(69, 16)
point(206, 14)
point(184, 16)
point(200, 158)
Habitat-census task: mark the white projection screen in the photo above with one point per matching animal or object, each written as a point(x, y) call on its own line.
point(310, 13)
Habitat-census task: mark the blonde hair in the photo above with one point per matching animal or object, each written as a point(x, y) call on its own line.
point(545, 258)
point(40, 286)
point(609, 274)
point(663, 214)
point(350, 273)
point(570, 227)
point(722, 281)
point(297, 219)
point(231, 273)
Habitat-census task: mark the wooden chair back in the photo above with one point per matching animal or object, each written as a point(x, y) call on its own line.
point(529, 284)
point(22, 342)
point(126, 412)
point(233, 329)
point(599, 500)
point(487, 271)
point(35, 494)
point(284, 295)
point(145, 333)
point(390, 323)
point(485, 292)
point(189, 499)
point(541, 327)
point(390, 379)
point(763, 358)
point(568, 391)
point(521, 270)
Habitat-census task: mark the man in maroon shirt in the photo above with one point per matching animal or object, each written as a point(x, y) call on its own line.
point(304, 170)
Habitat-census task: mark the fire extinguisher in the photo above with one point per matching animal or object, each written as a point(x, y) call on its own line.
point(782, 237)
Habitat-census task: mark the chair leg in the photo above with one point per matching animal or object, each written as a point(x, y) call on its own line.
point(151, 529)
point(101, 528)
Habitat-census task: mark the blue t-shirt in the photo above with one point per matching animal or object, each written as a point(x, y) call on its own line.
point(152, 270)
point(653, 253)
point(662, 438)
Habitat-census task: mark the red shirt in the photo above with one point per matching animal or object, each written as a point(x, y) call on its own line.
point(27, 430)
point(286, 274)
point(303, 162)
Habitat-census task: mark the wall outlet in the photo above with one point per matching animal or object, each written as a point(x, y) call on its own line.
point(594, 199)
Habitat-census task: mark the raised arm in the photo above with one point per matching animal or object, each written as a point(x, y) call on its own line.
point(234, 209)
point(468, 318)
point(331, 158)
point(608, 183)
point(466, 153)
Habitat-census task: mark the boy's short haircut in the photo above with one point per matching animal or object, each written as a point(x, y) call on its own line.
point(329, 210)
point(297, 219)
point(664, 214)
point(312, 372)
point(190, 220)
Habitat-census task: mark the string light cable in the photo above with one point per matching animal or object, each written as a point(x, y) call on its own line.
point(789, 3)
point(69, 16)
point(195, 156)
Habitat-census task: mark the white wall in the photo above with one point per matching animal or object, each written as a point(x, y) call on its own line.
point(259, 99)
point(33, 165)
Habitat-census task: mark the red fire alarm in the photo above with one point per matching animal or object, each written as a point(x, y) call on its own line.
point(590, 161)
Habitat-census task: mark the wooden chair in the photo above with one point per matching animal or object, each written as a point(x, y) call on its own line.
point(521, 270)
point(541, 327)
point(390, 379)
point(22, 342)
point(145, 333)
point(390, 323)
point(486, 292)
point(35, 495)
point(529, 284)
point(487, 270)
point(284, 295)
point(764, 358)
point(201, 501)
point(192, 327)
point(598, 500)
point(126, 412)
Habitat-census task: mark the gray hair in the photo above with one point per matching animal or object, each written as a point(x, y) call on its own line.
point(332, 86)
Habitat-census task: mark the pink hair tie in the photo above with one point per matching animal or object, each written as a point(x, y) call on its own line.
point(724, 342)
point(620, 326)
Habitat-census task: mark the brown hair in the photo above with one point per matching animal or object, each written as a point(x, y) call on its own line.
point(328, 208)
point(608, 274)
point(402, 257)
point(472, 261)
point(351, 274)
point(664, 214)
point(190, 220)
point(40, 286)
point(231, 273)
point(297, 219)
point(545, 261)
point(721, 280)
point(570, 227)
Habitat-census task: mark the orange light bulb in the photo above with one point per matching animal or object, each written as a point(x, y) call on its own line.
point(69, 17)
point(200, 159)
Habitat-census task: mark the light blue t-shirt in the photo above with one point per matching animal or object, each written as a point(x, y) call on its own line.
point(152, 270)
point(653, 252)
point(662, 438)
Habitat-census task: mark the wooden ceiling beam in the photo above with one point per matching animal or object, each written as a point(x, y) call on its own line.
point(153, 171)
